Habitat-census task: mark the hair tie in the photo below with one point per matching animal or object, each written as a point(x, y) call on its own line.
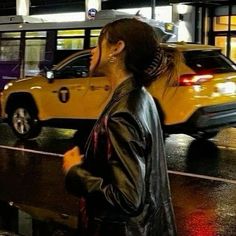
point(158, 64)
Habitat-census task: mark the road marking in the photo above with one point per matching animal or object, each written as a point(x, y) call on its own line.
point(226, 147)
point(31, 151)
point(202, 176)
point(169, 171)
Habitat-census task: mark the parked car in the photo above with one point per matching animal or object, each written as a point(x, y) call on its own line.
point(201, 103)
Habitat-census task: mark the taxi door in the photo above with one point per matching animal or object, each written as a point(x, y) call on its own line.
point(74, 95)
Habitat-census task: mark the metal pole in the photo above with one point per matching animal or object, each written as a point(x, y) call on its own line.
point(22, 7)
point(153, 4)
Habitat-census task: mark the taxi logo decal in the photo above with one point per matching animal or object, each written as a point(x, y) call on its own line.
point(64, 94)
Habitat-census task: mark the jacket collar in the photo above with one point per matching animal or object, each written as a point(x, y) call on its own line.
point(124, 88)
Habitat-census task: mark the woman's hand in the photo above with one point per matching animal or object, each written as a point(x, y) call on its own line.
point(71, 158)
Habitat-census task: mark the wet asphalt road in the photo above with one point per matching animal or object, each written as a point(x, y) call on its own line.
point(204, 202)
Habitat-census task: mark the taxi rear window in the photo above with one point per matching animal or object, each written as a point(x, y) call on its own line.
point(208, 62)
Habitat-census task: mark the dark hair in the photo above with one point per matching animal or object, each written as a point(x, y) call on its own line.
point(143, 55)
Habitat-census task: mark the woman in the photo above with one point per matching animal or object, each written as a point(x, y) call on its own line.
point(123, 175)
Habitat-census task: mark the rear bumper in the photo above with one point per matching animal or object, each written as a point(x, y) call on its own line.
point(207, 119)
point(214, 116)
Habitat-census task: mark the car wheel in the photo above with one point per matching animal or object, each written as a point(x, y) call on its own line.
point(24, 122)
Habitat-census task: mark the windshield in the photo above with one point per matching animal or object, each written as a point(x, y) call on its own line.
point(208, 62)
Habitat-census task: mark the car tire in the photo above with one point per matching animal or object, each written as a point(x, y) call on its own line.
point(24, 122)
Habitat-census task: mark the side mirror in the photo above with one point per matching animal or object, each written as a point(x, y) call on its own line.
point(50, 75)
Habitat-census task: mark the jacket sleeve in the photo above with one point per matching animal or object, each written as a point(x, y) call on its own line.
point(126, 188)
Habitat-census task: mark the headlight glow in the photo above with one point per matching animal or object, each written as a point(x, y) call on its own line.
point(7, 86)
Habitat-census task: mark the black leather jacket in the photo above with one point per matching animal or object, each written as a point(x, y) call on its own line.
point(124, 175)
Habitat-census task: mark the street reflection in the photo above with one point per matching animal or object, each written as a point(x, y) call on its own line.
point(31, 174)
point(204, 220)
point(27, 144)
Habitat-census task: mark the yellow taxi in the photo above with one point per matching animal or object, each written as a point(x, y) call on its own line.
point(200, 104)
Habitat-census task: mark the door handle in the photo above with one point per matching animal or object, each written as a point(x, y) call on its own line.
point(80, 87)
point(93, 87)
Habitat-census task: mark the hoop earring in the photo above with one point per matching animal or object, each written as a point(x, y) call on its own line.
point(111, 58)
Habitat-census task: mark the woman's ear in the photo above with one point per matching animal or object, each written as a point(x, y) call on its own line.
point(118, 48)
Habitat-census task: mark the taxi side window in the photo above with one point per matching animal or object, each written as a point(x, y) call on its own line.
point(78, 68)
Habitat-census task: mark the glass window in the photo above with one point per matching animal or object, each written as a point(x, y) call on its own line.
point(221, 42)
point(11, 35)
point(95, 32)
point(208, 62)
point(233, 23)
point(221, 23)
point(93, 41)
point(36, 34)
point(34, 54)
point(9, 50)
point(76, 68)
point(233, 49)
point(70, 44)
point(63, 33)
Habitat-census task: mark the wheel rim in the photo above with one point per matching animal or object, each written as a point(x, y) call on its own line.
point(21, 121)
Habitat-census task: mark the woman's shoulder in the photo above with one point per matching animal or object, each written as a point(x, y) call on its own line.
point(136, 101)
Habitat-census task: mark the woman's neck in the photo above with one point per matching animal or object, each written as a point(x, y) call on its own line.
point(118, 76)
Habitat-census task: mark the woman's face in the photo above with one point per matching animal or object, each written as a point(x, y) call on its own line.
point(101, 54)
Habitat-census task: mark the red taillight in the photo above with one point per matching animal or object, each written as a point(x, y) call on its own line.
point(194, 79)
